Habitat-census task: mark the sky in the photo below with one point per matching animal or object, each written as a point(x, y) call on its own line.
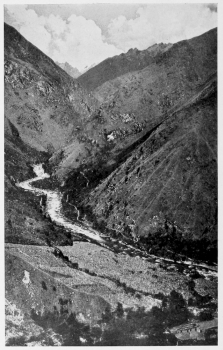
point(86, 34)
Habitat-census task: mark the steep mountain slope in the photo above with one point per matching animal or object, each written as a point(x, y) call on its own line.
point(53, 113)
point(42, 108)
point(144, 156)
point(170, 179)
point(72, 71)
point(41, 100)
point(191, 54)
point(24, 220)
point(135, 103)
point(166, 81)
point(116, 66)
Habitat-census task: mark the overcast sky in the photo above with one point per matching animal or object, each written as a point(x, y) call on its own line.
point(83, 35)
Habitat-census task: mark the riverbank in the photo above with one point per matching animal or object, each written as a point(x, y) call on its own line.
point(162, 246)
point(119, 274)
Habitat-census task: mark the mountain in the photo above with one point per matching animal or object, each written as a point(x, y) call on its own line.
point(135, 103)
point(118, 65)
point(92, 128)
point(165, 173)
point(133, 153)
point(170, 179)
point(190, 54)
point(41, 100)
point(87, 68)
point(72, 71)
point(190, 61)
point(52, 113)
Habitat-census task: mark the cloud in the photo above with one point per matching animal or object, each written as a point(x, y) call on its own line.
point(161, 23)
point(30, 26)
point(80, 42)
point(76, 40)
point(83, 43)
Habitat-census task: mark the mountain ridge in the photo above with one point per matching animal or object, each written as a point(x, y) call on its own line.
point(135, 190)
point(136, 159)
point(72, 71)
point(140, 59)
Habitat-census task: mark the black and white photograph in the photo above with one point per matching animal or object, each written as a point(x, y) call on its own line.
point(110, 174)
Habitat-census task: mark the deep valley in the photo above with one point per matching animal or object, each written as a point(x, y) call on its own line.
point(111, 197)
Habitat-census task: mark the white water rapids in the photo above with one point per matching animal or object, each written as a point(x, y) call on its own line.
point(53, 205)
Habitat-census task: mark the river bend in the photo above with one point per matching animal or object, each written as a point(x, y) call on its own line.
point(54, 207)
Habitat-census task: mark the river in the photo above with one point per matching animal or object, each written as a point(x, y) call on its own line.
point(53, 205)
point(54, 210)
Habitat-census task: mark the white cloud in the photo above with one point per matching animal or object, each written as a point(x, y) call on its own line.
point(77, 41)
point(30, 26)
point(161, 23)
point(83, 43)
point(55, 24)
point(80, 42)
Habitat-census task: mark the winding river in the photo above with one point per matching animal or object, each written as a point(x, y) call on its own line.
point(54, 210)
point(53, 205)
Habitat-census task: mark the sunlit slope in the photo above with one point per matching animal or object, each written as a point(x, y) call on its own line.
point(41, 100)
point(171, 177)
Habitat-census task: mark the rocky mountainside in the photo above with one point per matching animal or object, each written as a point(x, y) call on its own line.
point(41, 100)
point(134, 103)
point(50, 112)
point(116, 66)
point(168, 80)
point(25, 222)
point(194, 57)
point(134, 152)
point(43, 106)
point(53, 113)
point(72, 71)
point(170, 180)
